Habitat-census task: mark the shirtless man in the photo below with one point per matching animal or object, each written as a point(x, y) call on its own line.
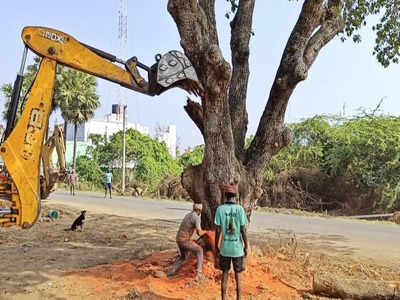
point(190, 223)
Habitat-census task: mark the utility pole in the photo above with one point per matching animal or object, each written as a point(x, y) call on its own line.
point(123, 146)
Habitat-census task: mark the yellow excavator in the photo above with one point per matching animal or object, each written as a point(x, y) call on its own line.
point(22, 145)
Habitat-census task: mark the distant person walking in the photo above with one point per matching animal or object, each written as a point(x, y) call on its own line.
point(108, 183)
point(231, 221)
point(72, 182)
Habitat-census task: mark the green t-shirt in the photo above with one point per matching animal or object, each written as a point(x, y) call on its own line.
point(108, 177)
point(232, 242)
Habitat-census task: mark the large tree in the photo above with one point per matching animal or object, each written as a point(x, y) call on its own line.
point(222, 117)
point(77, 99)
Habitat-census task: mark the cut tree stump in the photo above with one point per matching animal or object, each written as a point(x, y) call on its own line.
point(332, 286)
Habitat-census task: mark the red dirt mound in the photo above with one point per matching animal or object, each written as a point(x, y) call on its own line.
point(128, 280)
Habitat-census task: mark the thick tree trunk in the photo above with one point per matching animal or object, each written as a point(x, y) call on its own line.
point(194, 180)
point(75, 144)
point(221, 116)
point(200, 41)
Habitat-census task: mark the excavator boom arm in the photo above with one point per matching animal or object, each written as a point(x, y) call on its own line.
point(66, 50)
point(170, 70)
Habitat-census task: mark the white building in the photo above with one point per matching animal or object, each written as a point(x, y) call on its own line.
point(169, 138)
point(109, 126)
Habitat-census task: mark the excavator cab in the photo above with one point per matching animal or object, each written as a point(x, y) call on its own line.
point(22, 146)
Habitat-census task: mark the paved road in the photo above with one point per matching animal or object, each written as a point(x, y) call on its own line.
point(344, 237)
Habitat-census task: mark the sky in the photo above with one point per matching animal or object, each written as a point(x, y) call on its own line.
point(344, 78)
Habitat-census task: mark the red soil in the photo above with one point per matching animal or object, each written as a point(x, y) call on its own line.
point(147, 276)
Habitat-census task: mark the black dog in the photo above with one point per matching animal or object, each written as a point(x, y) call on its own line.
point(79, 221)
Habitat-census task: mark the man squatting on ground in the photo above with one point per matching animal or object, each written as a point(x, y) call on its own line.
point(190, 223)
point(231, 221)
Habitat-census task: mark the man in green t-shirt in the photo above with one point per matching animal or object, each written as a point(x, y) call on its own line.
point(108, 183)
point(231, 221)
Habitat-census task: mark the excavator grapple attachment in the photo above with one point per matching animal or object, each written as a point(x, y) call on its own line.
point(174, 67)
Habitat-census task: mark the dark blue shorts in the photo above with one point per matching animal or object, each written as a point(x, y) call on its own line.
point(237, 262)
point(107, 186)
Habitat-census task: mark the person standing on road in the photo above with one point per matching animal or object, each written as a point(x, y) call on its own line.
point(190, 223)
point(72, 182)
point(108, 183)
point(231, 221)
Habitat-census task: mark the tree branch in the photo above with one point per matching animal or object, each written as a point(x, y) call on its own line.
point(197, 29)
point(195, 112)
point(196, 25)
point(331, 26)
point(300, 52)
point(191, 25)
point(309, 19)
point(240, 39)
point(209, 13)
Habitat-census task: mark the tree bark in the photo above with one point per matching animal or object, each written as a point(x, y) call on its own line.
point(300, 52)
point(196, 25)
point(240, 38)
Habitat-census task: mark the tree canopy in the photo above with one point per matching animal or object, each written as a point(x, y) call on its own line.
point(76, 95)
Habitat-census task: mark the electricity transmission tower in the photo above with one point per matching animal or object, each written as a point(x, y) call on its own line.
point(121, 96)
point(123, 27)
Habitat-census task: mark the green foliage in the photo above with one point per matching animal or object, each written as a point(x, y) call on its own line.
point(76, 95)
point(29, 77)
point(367, 150)
point(248, 141)
point(364, 149)
point(6, 89)
point(356, 14)
point(192, 158)
point(150, 159)
point(387, 42)
point(88, 170)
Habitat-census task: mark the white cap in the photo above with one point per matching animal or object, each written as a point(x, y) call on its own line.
point(197, 206)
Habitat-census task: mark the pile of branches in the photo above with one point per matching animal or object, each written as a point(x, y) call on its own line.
point(131, 188)
point(171, 187)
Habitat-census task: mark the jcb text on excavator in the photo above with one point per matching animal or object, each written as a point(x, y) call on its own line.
point(22, 144)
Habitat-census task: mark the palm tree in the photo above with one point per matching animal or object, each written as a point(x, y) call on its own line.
point(6, 89)
point(29, 77)
point(76, 96)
